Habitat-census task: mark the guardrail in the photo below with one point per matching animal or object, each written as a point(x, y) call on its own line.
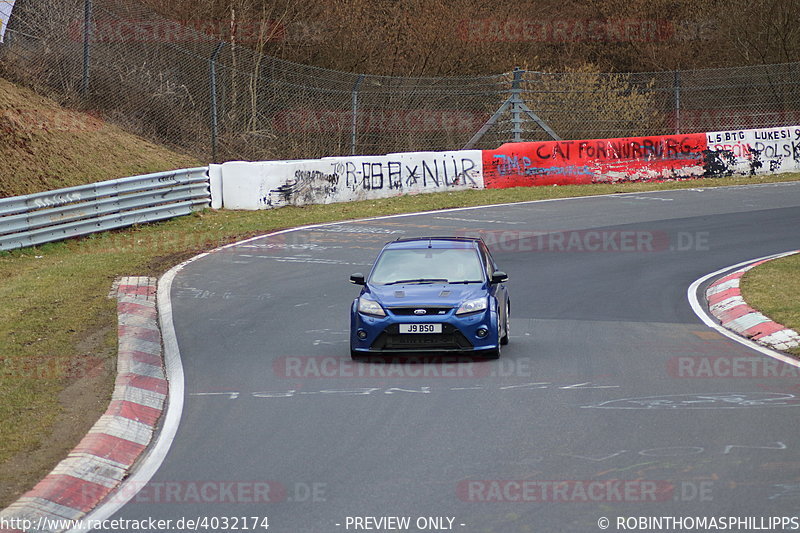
point(54, 215)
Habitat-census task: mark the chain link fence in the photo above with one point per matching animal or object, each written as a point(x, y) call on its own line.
point(196, 88)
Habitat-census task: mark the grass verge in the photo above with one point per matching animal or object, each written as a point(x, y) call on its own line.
point(45, 147)
point(59, 326)
point(774, 289)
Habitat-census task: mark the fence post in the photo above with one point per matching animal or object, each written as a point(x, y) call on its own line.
point(516, 111)
point(87, 32)
point(354, 111)
point(213, 77)
point(676, 83)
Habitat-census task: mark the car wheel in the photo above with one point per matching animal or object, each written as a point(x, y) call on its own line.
point(504, 338)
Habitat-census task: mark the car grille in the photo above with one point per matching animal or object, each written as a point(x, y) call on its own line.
point(450, 339)
point(429, 311)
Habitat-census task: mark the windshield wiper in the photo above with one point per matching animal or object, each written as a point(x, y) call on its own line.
point(466, 281)
point(418, 280)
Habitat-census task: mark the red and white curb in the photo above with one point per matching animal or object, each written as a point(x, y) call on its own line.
point(106, 454)
point(725, 302)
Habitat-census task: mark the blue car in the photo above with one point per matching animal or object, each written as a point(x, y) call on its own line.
point(431, 294)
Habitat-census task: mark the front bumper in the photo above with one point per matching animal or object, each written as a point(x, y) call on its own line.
point(459, 333)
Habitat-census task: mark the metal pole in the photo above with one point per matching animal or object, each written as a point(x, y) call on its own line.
point(517, 106)
point(213, 78)
point(87, 32)
point(354, 107)
point(677, 88)
point(516, 111)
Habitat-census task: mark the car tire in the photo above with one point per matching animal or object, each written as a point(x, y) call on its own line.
point(504, 338)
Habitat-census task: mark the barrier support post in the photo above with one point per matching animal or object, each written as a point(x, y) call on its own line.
point(87, 35)
point(214, 121)
point(354, 112)
point(518, 107)
point(677, 90)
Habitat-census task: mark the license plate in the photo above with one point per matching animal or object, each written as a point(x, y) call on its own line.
point(420, 328)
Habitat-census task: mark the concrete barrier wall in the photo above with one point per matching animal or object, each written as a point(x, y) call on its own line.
point(747, 152)
point(594, 161)
point(268, 184)
point(263, 185)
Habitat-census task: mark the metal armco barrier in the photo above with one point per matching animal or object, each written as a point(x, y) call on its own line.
point(54, 215)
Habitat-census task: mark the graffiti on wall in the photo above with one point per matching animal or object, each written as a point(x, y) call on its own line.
point(340, 179)
point(658, 158)
point(594, 161)
point(748, 152)
point(267, 184)
point(303, 187)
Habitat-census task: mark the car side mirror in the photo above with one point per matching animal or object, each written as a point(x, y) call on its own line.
point(499, 277)
point(358, 279)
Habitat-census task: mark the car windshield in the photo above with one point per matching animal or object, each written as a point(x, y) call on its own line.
point(428, 265)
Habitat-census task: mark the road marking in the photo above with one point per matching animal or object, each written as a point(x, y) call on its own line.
point(710, 321)
point(472, 221)
point(230, 395)
point(588, 385)
point(372, 391)
point(650, 198)
point(714, 400)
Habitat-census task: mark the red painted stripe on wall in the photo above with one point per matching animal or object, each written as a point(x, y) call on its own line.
point(594, 161)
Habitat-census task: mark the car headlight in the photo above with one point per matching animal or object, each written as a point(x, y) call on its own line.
point(473, 306)
point(370, 307)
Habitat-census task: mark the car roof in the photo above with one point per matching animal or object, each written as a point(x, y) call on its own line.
point(433, 242)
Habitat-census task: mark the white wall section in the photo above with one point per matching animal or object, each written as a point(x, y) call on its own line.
point(268, 184)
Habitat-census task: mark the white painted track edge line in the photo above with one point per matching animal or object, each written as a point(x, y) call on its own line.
point(711, 322)
point(151, 461)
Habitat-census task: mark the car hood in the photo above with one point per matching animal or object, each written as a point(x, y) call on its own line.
point(425, 294)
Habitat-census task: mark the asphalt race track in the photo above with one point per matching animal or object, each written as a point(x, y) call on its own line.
point(611, 400)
